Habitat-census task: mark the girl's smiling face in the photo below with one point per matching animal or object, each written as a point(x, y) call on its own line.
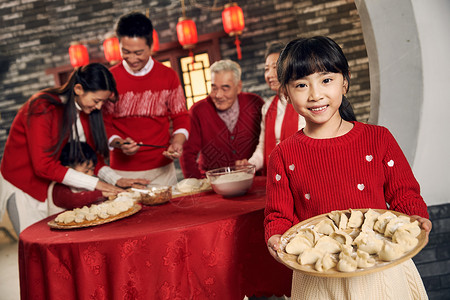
point(90, 101)
point(317, 97)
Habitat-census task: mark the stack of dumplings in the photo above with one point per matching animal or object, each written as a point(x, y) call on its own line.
point(353, 240)
point(79, 216)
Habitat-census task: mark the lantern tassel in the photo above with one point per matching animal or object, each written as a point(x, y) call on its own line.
point(237, 42)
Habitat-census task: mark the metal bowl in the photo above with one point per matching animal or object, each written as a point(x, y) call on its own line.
point(231, 181)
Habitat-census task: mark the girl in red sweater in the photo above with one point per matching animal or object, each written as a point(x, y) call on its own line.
point(43, 125)
point(336, 163)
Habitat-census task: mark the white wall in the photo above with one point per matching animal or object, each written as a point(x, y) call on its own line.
point(408, 45)
point(432, 161)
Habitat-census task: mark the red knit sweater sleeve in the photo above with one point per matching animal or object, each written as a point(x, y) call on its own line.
point(279, 211)
point(65, 198)
point(191, 148)
point(402, 191)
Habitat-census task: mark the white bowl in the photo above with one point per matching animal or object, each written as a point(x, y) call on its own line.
point(231, 181)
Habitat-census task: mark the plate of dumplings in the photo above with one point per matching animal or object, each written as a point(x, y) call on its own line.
point(354, 242)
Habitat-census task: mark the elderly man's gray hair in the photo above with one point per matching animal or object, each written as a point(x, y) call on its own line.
point(227, 65)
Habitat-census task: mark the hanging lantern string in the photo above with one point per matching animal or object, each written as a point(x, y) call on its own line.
point(204, 7)
point(183, 9)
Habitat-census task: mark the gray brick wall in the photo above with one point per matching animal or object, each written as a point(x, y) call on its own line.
point(433, 262)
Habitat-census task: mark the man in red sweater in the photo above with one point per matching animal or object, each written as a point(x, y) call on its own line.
point(225, 126)
point(150, 96)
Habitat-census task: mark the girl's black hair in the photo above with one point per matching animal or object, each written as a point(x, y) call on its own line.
point(305, 56)
point(92, 77)
point(135, 24)
point(86, 155)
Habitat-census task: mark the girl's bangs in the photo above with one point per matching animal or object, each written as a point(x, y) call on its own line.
point(317, 62)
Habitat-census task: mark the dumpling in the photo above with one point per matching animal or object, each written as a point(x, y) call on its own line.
point(382, 221)
point(298, 244)
point(310, 234)
point(310, 256)
point(413, 228)
point(405, 239)
point(346, 263)
point(390, 251)
point(342, 237)
point(343, 221)
point(394, 224)
point(364, 260)
point(325, 263)
point(328, 244)
point(326, 226)
point(335, 215)
point(346, 250)
point(356, 219)
point(368, 241)
point(369, 220)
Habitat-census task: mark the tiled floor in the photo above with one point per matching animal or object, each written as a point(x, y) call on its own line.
point(9, 268)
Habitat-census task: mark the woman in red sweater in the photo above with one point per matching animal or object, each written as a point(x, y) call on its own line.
point(336, 163)
point(43, 125)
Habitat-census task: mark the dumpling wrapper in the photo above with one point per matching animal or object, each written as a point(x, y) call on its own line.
point(356, 219)
point(394, 224)
point(390, 251)
point(364, 260)
point(298, 244)
point(343, 221)
point(342, 237)
point(405, 239)
point(310, 256)
point(328, 245)
point(325, 263)
point(347, 264)
point(368, 242)
point(370, 218)
point(326, 226)
point(382, 221)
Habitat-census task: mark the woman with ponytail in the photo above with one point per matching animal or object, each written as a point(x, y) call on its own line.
point(44, 124)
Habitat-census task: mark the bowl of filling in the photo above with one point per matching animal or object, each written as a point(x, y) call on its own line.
point(231, 181)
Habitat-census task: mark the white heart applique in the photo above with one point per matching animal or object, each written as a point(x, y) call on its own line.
point(360, 186)
point(390, 163)
point(292, 167)
point(307, 196)
point(278, 177)
point(369, 158)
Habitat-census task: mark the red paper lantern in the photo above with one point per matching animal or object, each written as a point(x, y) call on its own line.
point(233, 19)
point(78, 55)
point(233, 23)
point(111, 47)
point(187, 33)
point(155, 41)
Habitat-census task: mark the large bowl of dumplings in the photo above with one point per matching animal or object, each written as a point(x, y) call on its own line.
point(352, 242)
point(231, 181)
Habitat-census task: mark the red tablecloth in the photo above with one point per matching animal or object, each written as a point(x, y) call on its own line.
point(195, 247)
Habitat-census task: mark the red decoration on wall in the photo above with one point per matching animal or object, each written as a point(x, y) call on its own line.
point(155, 41)
point(111, 48)
point(233, 23)
point(78, 55)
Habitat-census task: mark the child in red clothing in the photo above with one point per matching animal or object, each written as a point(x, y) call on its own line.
point(336, 163)
point(65, 197)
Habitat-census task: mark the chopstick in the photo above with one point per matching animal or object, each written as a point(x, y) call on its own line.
point(145, 145)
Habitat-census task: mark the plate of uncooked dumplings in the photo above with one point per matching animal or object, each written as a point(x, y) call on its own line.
point(354, 242)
